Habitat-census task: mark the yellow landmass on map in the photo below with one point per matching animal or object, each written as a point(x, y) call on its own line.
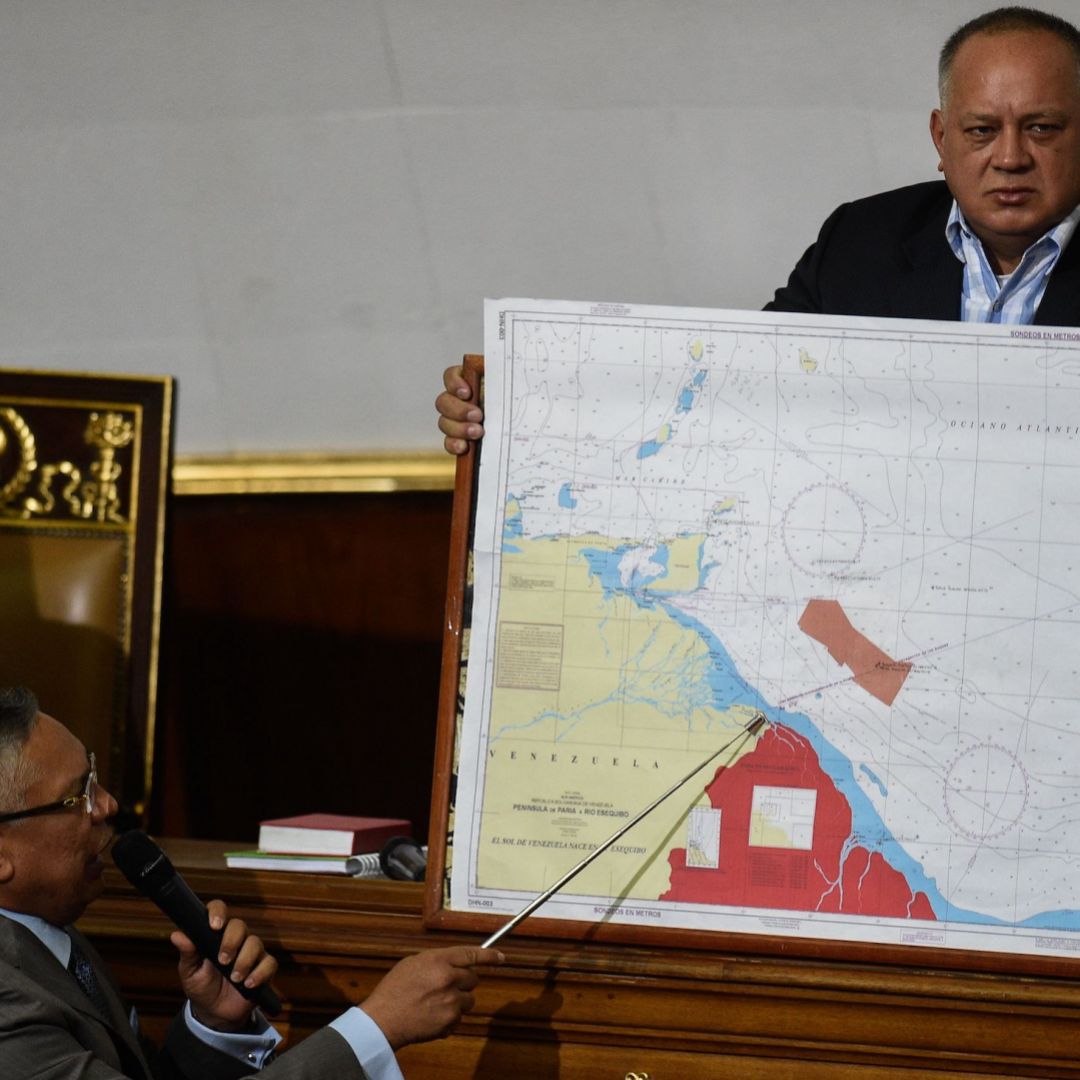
point(806, 361)
point(765, 833)
point(697, 349)
point(683, 565)
point(620, 709)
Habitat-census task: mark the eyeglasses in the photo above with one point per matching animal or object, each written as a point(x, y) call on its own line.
point(86, 799)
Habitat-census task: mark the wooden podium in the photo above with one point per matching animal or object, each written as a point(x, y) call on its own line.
point(582, 1010)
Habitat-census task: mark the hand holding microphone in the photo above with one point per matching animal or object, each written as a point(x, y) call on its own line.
point(209, 936)
point(420, 998)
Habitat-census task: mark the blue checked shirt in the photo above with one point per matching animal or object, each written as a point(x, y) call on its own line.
point(1014, 300)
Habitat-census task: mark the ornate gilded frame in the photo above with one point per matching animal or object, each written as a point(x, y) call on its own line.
point(87, 457)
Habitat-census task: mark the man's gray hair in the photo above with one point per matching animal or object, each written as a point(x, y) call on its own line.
point(18, 715)
point(1000, 21)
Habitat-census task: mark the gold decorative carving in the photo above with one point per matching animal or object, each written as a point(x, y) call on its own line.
point(17, 455)
point(95, 498)
point(108, 432)
point(43, 506)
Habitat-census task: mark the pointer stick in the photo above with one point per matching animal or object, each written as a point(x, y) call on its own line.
point(752, 728)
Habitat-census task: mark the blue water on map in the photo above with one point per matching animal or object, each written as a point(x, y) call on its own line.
point(566, 497)
point(1053, 920)
point(872, 777)
point(513, 529)
point(690, 392)
point(687, 396)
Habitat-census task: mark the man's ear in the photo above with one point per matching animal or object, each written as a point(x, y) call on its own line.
point(7, 863)
point(937, 133)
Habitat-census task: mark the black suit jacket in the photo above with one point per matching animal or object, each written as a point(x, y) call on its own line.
point(887, 256)
point(49, 1029)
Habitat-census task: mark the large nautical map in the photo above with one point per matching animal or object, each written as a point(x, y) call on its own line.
point(865, 530)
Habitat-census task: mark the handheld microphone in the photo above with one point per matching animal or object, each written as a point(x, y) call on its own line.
point(147, 867)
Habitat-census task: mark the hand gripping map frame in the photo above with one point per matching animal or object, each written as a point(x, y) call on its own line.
point(841, 641)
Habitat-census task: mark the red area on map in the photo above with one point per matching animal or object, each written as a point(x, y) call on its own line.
point(784, 878)
point(874, 670)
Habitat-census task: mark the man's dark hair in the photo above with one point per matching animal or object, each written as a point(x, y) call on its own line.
point(18, 714)
point(1000, 21)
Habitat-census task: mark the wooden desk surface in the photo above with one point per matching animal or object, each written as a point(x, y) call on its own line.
point(561, 1009)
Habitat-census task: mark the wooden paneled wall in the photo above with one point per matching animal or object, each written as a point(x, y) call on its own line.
point(300, 659)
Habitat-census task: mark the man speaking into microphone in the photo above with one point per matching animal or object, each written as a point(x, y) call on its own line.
point(61, 1015)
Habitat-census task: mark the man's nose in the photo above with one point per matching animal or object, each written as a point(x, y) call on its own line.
point(105, 806)
point(1011, 151)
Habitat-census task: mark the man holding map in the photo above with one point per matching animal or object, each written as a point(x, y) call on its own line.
point(835, 548)
point(991, 243)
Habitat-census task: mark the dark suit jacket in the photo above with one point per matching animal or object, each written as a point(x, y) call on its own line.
point(49, 1030)
point(887, 256)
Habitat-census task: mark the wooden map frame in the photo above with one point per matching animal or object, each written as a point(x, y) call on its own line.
point(437, 915)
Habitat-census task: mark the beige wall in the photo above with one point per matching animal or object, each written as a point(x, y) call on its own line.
point(297, 206)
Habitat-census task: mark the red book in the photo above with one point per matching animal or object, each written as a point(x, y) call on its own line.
point(329, 834)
